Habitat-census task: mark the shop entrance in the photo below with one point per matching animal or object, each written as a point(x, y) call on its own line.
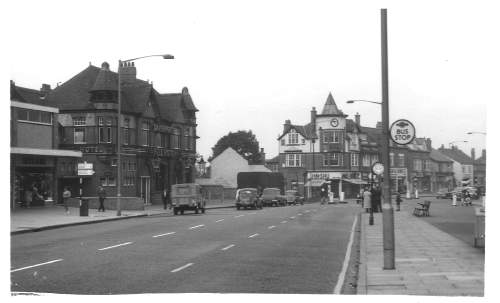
point(146, 189)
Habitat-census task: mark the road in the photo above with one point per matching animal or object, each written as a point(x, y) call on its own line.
point(294, 249)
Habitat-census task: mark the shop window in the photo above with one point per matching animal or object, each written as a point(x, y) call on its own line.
point(332, 159)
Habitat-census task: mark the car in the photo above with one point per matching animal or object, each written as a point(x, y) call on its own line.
point(272, 197)
point(444, 194)
point(187, 196)
point(293, 197)
point(248, 198)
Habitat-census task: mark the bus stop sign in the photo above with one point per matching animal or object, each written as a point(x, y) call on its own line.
point(402, 132)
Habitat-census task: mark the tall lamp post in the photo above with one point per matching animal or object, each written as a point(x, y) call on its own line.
point(119, 136)
point(387, 209)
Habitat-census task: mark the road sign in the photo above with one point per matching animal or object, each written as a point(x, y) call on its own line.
point(378, 168)
point(402, 132)
point(85, 169)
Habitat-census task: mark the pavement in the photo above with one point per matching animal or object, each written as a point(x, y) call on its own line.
point(294, 250)
point(24, 220)
point(429, 261)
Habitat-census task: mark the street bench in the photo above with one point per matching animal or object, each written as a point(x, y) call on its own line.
point(423, 209)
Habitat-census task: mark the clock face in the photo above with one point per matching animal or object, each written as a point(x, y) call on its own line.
point(378, 168)
point(334, 122)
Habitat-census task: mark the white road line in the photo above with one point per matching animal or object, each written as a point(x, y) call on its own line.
point(118, 245)
point(31, 266)
point(197, 226)
point(271, 227)
point(182, 267)
point(283, 221)
point(341, 278)
point(161, 235)
point(219, 220)
point(299, 214)
point(292, 217)
point(254, 235)
point(306, 211)
point(228, 247)
point(252, 213)
point(238, 216)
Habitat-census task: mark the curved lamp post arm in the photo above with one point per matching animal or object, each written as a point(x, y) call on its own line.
point(165, 56)
point(352, 101)
point(481, 133)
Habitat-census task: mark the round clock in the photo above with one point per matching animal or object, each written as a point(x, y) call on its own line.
point(378, 168)
point(334, 122)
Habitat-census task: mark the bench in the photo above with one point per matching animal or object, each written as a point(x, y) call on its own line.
point(423, 209)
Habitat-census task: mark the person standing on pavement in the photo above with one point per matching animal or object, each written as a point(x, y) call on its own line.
point(102, 196)
point(66, 196)
point(324, 193)
point(164, 198)
point(398, 201)
point(376, 199)
point(367, 200)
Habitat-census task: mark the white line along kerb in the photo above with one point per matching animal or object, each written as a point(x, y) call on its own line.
point(219, 220)
point(283, 221)
point(31, 266)
point(228, 247)
point(271, 227)
point(118, 245)
point(161, 235)
point(340, 280)
point(197, 226)
point(254, 235)
point(182, 267)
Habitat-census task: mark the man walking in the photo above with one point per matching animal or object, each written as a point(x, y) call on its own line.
point(102, 196)
point(66, 196)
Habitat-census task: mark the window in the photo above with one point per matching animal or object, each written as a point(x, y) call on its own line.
point(132, 166)
point(176, 138)
point(108, 129)
point(46, 117)
point(293, 160)
point(114, 162)
point(332, 159)
point(401, 160)
point(354, 159)
point(331, 136)
point(104, 133)
point(374, 159)
point(29, 115)
point(303, 141)
point(186, 143)
point(366, 160)
point(282, 142)
point(293, 137)
point(22, 114)
point(126, 131)
point(417, 164)
point(107, 181)
point(145, 134)
point(79, 132)
point(391, 159)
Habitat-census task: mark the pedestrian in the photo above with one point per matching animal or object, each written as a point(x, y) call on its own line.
point(101, 193)
point(164, 197)
point(66, 196)
point(324, 193)
point(367, 199)
point(376, 199)
point(398, 201)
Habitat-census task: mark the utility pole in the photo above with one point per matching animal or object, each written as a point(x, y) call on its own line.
point(387, 210)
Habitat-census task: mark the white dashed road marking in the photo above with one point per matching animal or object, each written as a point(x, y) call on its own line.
point(299, 214)
point(238, 216)
point(219, 220)
point(271, 227)
point(228, 247)
point(118, 245)
point(31, 266)
point(182, 267)
point(161, 235)
point(283, 221)
point(292, 217)
point(197, 226)
point(254, 235)
point(306, 211)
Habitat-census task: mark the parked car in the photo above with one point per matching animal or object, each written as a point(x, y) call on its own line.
point(444, 194)
point(272, 196)
point(248, 198)
point(293, 197)
point(187, 196)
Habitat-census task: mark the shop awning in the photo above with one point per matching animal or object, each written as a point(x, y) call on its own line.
point(356, 181)
point(314, 183)
point(45, 152)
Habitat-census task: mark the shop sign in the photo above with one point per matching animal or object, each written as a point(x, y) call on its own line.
point(399, 172)
point(85, 169)
point(324, 175)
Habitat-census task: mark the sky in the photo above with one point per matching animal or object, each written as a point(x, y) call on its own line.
point(251, 65)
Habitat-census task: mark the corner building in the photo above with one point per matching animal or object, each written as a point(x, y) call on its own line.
point(158, 134)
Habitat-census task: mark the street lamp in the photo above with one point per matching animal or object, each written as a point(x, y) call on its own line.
point(458, 141)
point(352, 101)
point(118, 127)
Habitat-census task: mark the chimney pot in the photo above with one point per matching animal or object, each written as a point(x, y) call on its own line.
point(357, 118)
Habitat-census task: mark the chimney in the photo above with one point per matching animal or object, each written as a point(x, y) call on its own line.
point(357, 118)
point(483, 153)
point(429, 143)
point(313, 121)
point(44, 90)
point(442, 146)
point(288, 122)
point(127, 72)
point(473, 154)
point(379, 125)
point(262, 156)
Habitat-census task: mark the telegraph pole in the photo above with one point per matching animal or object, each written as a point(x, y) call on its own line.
point(387, 210)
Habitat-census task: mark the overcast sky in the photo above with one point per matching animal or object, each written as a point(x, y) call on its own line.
point(252, 65)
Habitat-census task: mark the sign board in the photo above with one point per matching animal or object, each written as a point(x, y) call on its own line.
point(397, 172)
point(324, 175)
point(86, 172)
point(378, 168)
point(85, 169)
point(402, 132)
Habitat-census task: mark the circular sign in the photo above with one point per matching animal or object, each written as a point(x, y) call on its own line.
point(378, 168)
point(402, 132)
point(334, 122)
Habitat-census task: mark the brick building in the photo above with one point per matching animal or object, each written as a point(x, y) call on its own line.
point(158, 134)
point(479, 168)
point(36, 160)
point(443, 171)
point(462, 165)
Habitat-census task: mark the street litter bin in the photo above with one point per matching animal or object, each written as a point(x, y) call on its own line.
point(479, 232)
point(84, 207)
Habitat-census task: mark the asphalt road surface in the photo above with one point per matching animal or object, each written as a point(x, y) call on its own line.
point(294, 249)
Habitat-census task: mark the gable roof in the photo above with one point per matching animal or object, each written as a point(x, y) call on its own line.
point(305, 131)
point(457, 155)
point(26, 95)
point(439, 157)
point(170, 107)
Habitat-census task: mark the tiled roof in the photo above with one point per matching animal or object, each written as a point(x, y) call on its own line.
point(274, 159)
point(26, 95)
point(456, 154)
point(330, 108)
point(305, 130)
point(170, 107)
point(105, 80)
point(439, 157)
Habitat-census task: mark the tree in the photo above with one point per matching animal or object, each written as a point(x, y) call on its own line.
point(243, 142)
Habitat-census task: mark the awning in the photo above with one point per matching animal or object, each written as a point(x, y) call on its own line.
point(356, 181)
point(315, 183)
point(45, 152)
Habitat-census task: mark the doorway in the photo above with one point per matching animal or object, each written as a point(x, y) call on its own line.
point(146, 189)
